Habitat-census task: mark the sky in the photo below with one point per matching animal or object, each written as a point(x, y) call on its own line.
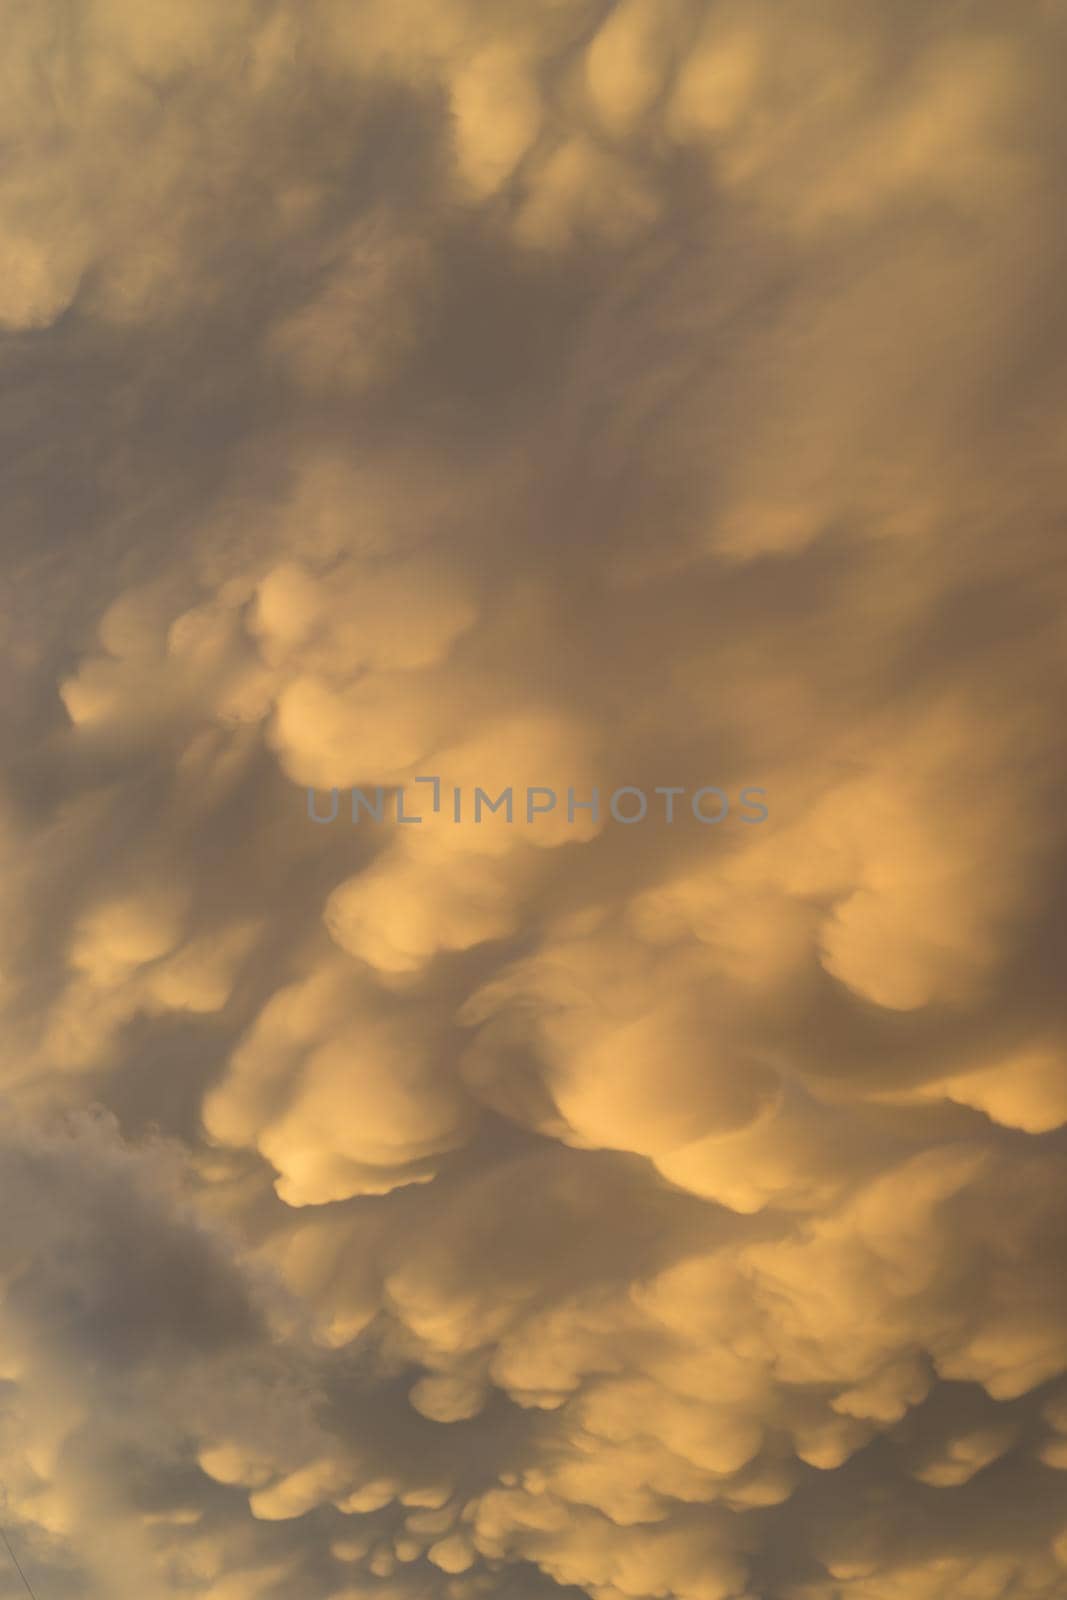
point(652, 411)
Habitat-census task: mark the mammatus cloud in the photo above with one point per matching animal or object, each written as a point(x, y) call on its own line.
point(567, 396)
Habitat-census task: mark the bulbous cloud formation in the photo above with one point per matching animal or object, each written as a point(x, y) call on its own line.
point(570, 397)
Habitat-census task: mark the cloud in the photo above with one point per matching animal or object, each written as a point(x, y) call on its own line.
point(420, 397)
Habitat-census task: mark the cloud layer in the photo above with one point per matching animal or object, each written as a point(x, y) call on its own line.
point(567, 395)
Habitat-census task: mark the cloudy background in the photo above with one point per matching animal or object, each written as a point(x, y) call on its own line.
point(555, 392)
